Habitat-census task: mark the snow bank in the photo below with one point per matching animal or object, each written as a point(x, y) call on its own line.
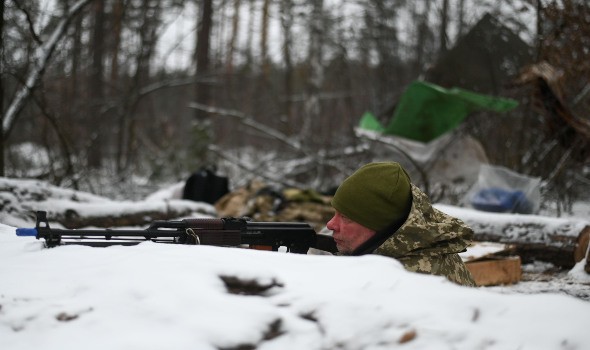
point(156, 296)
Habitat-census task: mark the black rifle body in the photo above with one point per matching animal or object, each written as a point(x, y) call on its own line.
point(297, 237)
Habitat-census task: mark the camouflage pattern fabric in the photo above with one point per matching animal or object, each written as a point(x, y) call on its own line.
point(429, 242)
point(258, 202)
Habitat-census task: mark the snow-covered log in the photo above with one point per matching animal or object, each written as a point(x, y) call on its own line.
point(137, 213)
point(561, 241)
point(75, 209)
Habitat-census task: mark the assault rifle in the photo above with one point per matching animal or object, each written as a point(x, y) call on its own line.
point(297, 237)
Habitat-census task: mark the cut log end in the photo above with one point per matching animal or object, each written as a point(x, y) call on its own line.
point(581, 249)
point(498, 271)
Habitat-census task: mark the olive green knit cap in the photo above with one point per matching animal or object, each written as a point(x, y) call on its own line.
point(375, 196)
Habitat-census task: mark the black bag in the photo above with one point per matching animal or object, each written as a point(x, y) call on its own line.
point(205, 186)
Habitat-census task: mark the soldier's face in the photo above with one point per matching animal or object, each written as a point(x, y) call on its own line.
point(348, 234)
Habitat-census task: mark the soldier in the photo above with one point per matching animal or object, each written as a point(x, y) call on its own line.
point(378, 211)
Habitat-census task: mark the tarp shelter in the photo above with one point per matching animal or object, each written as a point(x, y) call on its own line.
point(426, 111)
point(485, 60)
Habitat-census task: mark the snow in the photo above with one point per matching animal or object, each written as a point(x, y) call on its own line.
point(482, 249)
point(496, 223)
point(19, 198)
point(578, 273)
point(155, 296)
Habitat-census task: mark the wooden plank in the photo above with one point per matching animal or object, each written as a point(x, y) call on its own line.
point(497, 271)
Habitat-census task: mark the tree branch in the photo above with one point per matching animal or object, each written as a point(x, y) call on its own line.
point(43, 55)
point(423, 176)
point(29, 21)
point(249, 121)
point(254, 170)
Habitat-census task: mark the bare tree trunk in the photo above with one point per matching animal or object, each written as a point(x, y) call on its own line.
point(444, 20)
point(2, 88)
point(202, 136)
point(381, 37)
point(316, 78)
point(250, 37)
point(345, 122)
point(234, 35)
point(422, 32)
point(539, 43)
point(118, 14)
point(95, 123)
point(218, 31)
point(286, 24)
point(461, 18)
point(312, 106)
point(264, 40)
point(76, 59)
point(150, 14)
point(202, 50)
point(69, 171)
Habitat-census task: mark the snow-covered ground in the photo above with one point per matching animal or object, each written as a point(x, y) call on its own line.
point(155, 296)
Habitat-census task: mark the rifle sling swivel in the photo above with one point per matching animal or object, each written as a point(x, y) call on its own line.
point(195, 237)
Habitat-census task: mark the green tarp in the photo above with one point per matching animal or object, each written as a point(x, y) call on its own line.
point(426, 111)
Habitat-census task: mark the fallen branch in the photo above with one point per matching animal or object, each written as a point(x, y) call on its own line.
point(249, 121)
point(311, 160)
point(254, 170)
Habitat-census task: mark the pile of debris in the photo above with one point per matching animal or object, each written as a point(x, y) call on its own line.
point(262, 202)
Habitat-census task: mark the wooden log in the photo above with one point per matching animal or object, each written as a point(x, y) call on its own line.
point(583, 246)
point(75, 209)
point(492, 264)
point(561, 241)
point(119, 214)
point(495, 271)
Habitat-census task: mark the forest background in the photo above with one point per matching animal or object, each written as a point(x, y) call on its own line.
point(118, 96)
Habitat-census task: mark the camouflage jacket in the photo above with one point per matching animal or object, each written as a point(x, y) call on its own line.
point(429, 242)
